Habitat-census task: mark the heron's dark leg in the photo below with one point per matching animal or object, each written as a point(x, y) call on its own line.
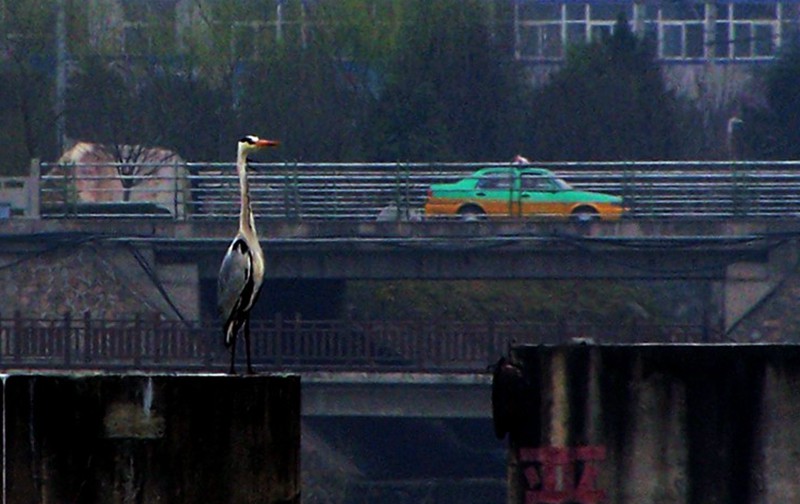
point(233, 353)
point(247, 343)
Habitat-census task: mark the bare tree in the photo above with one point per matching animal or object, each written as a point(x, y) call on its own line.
point(135, 163)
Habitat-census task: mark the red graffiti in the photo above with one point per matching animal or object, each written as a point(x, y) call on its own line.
point(560, 475)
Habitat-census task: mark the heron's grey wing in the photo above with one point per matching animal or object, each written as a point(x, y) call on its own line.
point(234, 275)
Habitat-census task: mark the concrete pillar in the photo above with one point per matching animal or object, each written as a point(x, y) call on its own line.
point(593, 412)
point(777, 477)
point(656, 459)
point(556, 429)
point(171, 439)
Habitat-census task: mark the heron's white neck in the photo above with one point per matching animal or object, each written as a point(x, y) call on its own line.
point(247, 224)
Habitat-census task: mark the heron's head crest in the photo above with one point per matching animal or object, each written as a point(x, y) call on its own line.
point(251, 143)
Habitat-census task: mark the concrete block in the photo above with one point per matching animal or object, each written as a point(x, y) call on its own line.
point(120, 439)
point(665, 424)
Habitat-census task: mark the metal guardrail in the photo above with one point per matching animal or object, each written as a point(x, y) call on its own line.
point(407, 345)
point(397, 191)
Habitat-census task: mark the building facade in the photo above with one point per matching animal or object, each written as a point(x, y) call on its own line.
point(683, 32)
point(725, 31)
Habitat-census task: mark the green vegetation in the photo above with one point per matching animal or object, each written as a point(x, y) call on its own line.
point(771, 129)
point(511, 300)
point(26, 83)
point(340, 81)
point(450, 93)
point(609, 102)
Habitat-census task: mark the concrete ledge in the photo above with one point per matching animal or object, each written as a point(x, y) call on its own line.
point(397, 395)
point(398, 378)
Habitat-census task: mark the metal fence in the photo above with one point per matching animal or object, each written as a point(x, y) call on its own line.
point(389, 191)
point(408, 345)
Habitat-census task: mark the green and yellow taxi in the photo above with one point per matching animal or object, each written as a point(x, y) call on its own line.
point(523, 191)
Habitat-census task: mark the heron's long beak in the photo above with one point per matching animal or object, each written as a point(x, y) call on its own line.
point(267, 143)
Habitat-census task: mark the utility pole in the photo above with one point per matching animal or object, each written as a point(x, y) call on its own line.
point(61, 75)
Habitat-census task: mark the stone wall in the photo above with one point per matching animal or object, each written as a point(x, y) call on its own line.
point(112, 281)
point(775, 318)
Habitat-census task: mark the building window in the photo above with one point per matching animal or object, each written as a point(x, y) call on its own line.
point(742, 37)
point(672, 41)
point(600, 31)
point(763, 40)
point(576, 33)
point(722, 40)
point(251, 37)
point(542, 41)
point(739, 30)
point(694, 47)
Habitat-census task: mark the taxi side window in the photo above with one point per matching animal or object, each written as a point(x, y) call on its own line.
point(532, 183)
point(494, 181)
point(538, 183)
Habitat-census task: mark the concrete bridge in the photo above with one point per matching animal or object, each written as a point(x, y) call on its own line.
point(743, 261)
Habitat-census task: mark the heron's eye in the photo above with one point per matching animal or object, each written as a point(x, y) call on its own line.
point(249, 139)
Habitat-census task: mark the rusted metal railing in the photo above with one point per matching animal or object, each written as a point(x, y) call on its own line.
point(84, 342)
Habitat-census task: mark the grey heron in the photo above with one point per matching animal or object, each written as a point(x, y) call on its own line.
point(242, 271)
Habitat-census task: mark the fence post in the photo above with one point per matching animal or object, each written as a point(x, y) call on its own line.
point(426, 333)
point(155, 339)
point(65, 193)
point(491, 346)
point(278, 339)
point(67, 338)
point(204, 345)
point(87, 336)
point(17, 335)
point(296, 193)
point(176, 190)
point(34, 195)
point(298, 338)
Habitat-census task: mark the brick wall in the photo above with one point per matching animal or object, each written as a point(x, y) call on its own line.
point(103, 278)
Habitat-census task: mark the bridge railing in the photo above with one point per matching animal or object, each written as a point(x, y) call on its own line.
point(389, 191)
point(405, 345)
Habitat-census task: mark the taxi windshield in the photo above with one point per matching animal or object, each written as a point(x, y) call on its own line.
point(563, 185)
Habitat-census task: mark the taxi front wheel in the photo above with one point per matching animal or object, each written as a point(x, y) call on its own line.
point(585, 214)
